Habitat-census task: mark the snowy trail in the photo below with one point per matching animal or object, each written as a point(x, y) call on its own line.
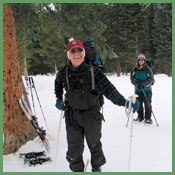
point(151, 145)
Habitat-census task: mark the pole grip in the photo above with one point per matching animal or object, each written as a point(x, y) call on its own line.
point(133, 98)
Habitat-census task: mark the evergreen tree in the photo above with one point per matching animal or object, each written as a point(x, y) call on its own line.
point(82, 21)
point(121, 31)
point(125, 31)
point(26, 27)
point(162, 36)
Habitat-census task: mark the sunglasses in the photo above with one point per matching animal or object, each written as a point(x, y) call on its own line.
point(76, 50)
point(141, 60)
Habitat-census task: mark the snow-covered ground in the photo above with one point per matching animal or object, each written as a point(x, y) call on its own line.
point(151, 145)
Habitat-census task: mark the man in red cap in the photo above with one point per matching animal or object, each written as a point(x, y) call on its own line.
point(75, 52)
point(82, 106)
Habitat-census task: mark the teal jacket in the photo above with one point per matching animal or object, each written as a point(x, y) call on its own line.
point(143, 74)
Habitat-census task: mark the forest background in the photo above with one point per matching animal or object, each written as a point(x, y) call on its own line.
point(121, 31)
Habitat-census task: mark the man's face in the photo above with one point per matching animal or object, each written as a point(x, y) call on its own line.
point(76, 56)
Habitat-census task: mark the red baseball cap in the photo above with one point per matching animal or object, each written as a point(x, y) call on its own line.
point(74, 43)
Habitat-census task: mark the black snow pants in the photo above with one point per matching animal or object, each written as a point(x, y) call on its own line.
point(148, 108)
point(80, 125)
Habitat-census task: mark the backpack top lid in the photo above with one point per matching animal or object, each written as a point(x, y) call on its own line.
point(89, 42)
point(150, 63)
point(90, 50)
point(92, 55)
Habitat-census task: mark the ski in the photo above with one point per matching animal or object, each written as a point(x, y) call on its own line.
point(24, 108)
point(33, 119)
point(26, 99)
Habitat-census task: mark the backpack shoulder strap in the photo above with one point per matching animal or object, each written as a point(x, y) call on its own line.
point(91, 70)
point(67, 76)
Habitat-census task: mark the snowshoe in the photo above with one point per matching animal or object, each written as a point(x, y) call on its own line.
point(39, 161)
point(148, 121)
point(32, 155)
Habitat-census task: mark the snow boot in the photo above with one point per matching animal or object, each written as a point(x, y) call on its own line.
point(148, 121)
point(139, 119)
point(96, 169)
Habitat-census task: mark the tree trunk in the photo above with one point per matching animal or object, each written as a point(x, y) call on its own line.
point(137, 47)
point(170, 72)
point(56, 70)
point(17, 128)
point(25, 65)
point(156, 66)
point(126, 69)
point(118, 68)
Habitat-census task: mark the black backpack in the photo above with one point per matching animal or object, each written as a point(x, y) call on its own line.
point(150, 63)
point(92, 55)
point(93, 58)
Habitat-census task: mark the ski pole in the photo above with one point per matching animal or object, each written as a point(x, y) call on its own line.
point(38, 101)
point(130, 144)
point(149, 106)
point(132, 100)
point(127, 122)
point(128, 112)
point(59, 128)
point(32, 96)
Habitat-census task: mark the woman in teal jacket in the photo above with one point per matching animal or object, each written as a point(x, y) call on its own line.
point(142, 77)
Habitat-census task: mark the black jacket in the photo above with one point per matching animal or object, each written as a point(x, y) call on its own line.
point(143, 74)
point(80, 79)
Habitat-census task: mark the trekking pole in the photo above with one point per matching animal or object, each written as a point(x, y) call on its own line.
point(38, 100)
point(132, 99)
point(127, 122)
point(149, 106)
point(59, 128)
point(32, 95)
point(128, 111)
point(130, 144)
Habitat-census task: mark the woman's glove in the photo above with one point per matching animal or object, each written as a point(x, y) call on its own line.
point(139, 84)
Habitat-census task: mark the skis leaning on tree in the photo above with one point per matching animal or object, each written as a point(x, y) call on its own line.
point(35, 158)
point(26, 108)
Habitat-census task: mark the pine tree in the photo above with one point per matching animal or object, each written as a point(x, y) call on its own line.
point(17, 129)
point(162, 36)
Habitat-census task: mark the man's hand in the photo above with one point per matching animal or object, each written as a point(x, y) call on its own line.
point(60, 105)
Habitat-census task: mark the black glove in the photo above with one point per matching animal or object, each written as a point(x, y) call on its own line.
point(139, 84)
point(60, 105)
point(135, 107)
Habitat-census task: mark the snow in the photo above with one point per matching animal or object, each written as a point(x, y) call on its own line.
point(151, 149)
